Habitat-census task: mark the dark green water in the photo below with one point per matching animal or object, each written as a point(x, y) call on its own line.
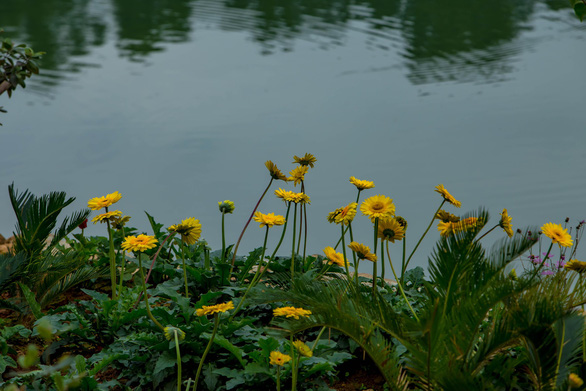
point(177, 104)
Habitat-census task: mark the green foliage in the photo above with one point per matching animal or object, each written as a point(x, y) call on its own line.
point(579, 8)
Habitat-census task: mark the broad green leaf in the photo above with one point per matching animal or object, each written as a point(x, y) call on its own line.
point(223, 342)
point(6, 361)
point(31, 300)
point(166, 360)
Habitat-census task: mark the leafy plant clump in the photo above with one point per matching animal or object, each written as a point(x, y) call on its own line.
point(160, 310)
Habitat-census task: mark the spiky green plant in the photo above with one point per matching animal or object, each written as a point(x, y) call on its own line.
point(477, 325)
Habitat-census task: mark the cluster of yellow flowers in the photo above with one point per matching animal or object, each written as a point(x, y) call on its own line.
point(291, 312)
point(114, 217)
point(214, 309)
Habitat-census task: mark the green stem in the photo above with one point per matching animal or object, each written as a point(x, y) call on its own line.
point(284, 230)
point(486, 233)
point(278, 378)
point(349, 227)
point(425, 233)
point(184, 268)
point(318, 337)
point(144, 293)
point(123, 266)
point(112, 256)
point(345, 258)
point(399, 284)
point(351, 240)
point(382, 260)
point(246, 225)
point(254, 280)
point(374, 271)
point(294, 365)
point(293, 245)
point(178, 361)
point(223, 240)
point(403, 260)
point(205, 353)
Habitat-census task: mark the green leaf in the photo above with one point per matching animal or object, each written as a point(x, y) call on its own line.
point(166, 360)
point(98, 296)
point(268, 345)
point(236, 351)
point(31, 300)
point(154, 225)
point(6, 361)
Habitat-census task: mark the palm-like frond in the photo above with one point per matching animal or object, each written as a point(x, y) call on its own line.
point(370, 321)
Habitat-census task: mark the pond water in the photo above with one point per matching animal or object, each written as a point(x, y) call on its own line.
point(177, 104)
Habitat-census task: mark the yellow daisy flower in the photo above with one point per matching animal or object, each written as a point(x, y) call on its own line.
point(302, 348)
point(447, 196)
point(307, 160)
point(298, 174)
point(391, 230)
point(278, 358)
point(98, 203)
point(290, 196)
point(226, 206)
point(119, 222)
point(445, 228)
point(361, 184)
point(575, 381)
point(362, 251)
point(274, 171)
point(505, 223)
point(109, 216)
point(334, 257)
point(291, 312)
point(401, 221)
point(139, 243)
point(189, 229)
point(214, 309)
point(378, 206)
point(346, 214)
point(557, 234)
point(269, 219)
point(170, 333)
point(575, 265)
point(446, 217)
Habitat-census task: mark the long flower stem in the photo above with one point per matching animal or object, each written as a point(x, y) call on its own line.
point(345, 258)
point(293, 245)
point(399, 284)
point(112, 256)
point(184, 268)
point(284, 230)
point(351, 240)
point(246, 225)
point(374, 276)
point(318, 337)
point(486, 233)
point(294, 365)
point(205, 353)
point(223, 239)
point(144, 293)
point(278, 378)
point(422, 236)
point(349, 226)
point(178, 361)
point(254, 279)
point(403, 259)
point(123, 264)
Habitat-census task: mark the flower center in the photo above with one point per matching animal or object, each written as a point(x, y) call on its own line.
point(389, 233)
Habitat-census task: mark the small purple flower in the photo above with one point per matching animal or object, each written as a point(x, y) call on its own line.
point(546, 273)
point(561, 264)
point(563, 257)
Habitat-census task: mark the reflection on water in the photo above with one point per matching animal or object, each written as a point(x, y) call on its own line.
point(459, 40)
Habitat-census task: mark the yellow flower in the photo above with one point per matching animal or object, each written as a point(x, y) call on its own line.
point(361, 184)
point(303, 348)
point(214, 309)
point(189, 229)
point(291, 312)
point(109, 216)
point(557, 234)
point(448, 228)
point(275, 172)
point(298, 174)
point(170, 333)
point(378, 206)
point(120, 222)
point(447, 196)
point(290, 196)
point(346, 214)
point(445, 228)
point(226, 206)
point(98, 203)
point(575, 381)
point(401, 221)
point(505, 223)
point(306, 160)
point(269, 219)
point(139, 243)
point(391, 230)
point(362, 251)
point(446, 217)
point(575, 265)
point(334, 257)
point(278, 358)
